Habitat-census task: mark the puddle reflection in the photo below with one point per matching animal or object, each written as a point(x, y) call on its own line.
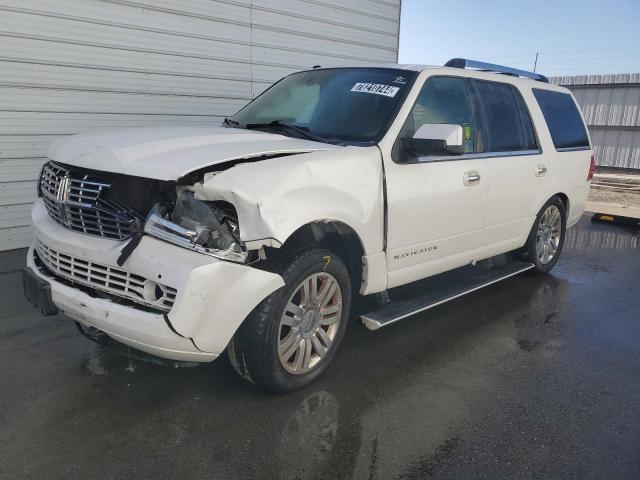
point(577, 240)
point(308, 438)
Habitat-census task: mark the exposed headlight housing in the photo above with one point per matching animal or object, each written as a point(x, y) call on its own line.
point(198, 226)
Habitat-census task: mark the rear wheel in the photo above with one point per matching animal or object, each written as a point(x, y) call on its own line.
point(290, 339)
point(546, 238)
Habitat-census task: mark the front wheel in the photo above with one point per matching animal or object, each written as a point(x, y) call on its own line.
point(546, 238)
point(290, 339)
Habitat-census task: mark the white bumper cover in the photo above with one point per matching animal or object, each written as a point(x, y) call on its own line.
point(213, 296)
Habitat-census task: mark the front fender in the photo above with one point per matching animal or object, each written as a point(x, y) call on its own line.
point(275, 197)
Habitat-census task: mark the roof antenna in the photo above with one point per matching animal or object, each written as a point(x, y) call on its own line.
point(535, 64)
point(317, 66)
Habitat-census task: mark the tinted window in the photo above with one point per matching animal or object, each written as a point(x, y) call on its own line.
point(507, 125)
point(443, 100)
point(563, 119)
point(527, 125)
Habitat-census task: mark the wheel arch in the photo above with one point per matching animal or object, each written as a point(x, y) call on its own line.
point(565, 199)
point(561, 195)
point(336, 236)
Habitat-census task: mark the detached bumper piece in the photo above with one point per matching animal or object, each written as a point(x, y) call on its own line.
point(38, 292)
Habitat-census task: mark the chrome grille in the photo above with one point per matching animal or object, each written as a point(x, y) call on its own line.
point(77, 202)
point(108, 279)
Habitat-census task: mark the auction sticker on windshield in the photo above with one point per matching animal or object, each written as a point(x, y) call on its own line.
point(376, 88)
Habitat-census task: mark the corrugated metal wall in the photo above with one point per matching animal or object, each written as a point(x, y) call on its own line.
point(611, 107)
point(69, 66)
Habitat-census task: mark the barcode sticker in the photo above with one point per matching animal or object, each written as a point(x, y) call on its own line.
point(376, 89)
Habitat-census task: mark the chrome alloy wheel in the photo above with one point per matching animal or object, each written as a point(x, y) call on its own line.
point(309, 323)
point(548, 236)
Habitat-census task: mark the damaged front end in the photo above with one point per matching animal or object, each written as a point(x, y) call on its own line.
point(123, 207)
point(210, 228)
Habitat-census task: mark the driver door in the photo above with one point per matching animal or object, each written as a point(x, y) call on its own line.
point(436, 202)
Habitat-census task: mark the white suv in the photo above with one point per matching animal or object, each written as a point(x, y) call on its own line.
point(254, 237)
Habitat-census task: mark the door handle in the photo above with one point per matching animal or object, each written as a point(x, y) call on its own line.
point(541, 170)
point(471, 178)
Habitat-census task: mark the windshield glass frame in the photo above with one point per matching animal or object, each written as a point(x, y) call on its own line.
point(409, 75)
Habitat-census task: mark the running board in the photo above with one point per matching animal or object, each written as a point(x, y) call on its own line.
point(443, 290)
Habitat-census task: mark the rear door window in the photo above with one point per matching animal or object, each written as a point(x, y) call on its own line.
point(506, 121)
point(563, 119)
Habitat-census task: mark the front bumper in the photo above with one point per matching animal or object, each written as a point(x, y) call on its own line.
point(213, 296)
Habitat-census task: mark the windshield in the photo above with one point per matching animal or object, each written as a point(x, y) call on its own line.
point(333, 105)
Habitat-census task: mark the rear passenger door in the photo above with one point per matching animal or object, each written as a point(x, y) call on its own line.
point(517, 172)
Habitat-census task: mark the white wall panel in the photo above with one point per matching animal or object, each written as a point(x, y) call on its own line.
point(57, 100)
point(12, 238)
point(384, 8)
point(612, 106)
point(327, 30)
point(616, 148)
point(326, 14)
point(69, 66)
point(16, 193)
point(14, 215)
point(20, 169)
point(102, 79)
point(67, 123)
point(25, 146)
point(127, 37)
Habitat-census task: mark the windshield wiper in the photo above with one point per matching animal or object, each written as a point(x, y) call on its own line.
point(231, 123)
point(280, 125)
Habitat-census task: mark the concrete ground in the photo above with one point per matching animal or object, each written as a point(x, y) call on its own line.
point(615, 193)
point(536, 377)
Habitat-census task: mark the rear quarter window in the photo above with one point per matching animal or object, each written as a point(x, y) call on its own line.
point(563, 119)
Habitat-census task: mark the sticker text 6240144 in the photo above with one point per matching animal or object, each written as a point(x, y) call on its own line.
point(376, 88)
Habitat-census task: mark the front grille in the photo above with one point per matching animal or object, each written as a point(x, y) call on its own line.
point(107, 279)
point(78, 202)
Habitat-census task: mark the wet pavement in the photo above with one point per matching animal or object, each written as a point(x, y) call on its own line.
point(536, 377)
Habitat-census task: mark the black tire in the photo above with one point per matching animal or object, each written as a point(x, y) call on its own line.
point(529, 251)
point(253, 350)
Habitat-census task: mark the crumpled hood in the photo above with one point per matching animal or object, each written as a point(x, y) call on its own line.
point(168, 153)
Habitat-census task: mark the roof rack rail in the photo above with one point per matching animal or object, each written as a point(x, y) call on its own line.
point(490, 67)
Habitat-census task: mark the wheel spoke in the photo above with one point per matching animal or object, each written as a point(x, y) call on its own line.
point(306, 292)
point(325, 296)
point(326, 321)
point(331, 315)
point(323, 290)
point(289, 345)
point(328, 310)
point(302, 347)
point(313, 288)
point(294, 315)
point(319, 348)
point(307, 353)
point(324, 337)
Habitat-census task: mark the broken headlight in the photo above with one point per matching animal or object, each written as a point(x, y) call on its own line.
point(199, 226)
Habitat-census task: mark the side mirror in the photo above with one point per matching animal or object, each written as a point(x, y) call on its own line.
point(435, 138)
